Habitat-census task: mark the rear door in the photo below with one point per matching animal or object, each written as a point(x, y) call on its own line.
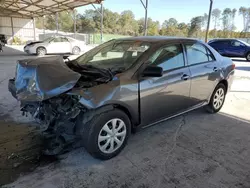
point(169, 94)
point(204, 71)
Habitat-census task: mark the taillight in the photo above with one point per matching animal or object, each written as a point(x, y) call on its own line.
point(233, 66)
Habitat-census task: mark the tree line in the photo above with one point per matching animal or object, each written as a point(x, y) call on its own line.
point(222, 24)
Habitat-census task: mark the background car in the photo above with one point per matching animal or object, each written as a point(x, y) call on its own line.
point(120, 86)
point(231, 48)
point(3, 39)
point(55, 45)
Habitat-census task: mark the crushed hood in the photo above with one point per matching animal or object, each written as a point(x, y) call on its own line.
point(43, 78)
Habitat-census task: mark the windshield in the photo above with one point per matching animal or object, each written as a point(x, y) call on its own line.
point(114, 55)
point(48, 39)
point(244, 42)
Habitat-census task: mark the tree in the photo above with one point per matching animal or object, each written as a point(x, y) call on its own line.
point(153, 27)
point(243, 12)
point(195, 26)
point(226, 20)
point(204, 20)
point(216, 16)
point(128, 23)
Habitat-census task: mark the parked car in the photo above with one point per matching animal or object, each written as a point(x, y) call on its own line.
point(117, 87)
point(55, 45)
point(3, 39)
point(231, 47)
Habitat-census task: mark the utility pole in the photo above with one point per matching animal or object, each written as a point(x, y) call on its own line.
point(57, 24)
point(74, 14)
point(101, 22)
point(209, 18)
point(101, 14)
point(145, 5)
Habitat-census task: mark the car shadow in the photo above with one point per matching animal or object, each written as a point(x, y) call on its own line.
point(242, 68)
point(205, 139)
point(240, 60)
point(9, 51)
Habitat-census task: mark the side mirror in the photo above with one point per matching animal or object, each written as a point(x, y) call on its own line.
point(152, 71)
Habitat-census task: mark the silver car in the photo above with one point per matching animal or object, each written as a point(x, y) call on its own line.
point(55, 45)
point(117, 87)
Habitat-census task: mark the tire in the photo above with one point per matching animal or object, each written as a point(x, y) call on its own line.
point(248, 56)
point(216, 101)
point(98, 142)
point(76, 50)
point(41, 51)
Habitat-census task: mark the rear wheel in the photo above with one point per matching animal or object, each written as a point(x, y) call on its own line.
point(76, 50)
point(107, 134)
point(41, 51)
point(248, 56)
point(217, 99)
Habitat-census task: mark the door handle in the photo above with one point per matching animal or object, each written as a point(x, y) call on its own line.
point(185, 77)
point(215, 69)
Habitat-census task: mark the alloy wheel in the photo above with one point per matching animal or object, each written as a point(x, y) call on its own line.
point(41, 52)
point(112, 135)
point(218, 98)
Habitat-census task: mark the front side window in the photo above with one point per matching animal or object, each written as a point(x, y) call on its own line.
point(64, 40)
point(169, 57)
point(114, 54)
point(197, 53)
point(58, 39)
point(236, 44)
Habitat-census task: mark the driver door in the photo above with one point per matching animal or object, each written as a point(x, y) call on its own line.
point(236, 49)
point(167, 95)
point(59, 45)
point(54, 46)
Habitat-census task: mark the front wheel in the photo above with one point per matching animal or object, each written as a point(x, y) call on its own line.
point(217, 99)
point(248, 56)
point(76, 50)
point(107, 134)
point(41, 51)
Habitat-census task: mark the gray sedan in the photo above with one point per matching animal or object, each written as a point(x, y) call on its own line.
point(118, 87)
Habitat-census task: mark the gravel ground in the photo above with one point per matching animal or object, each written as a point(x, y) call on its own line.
point(192, 150)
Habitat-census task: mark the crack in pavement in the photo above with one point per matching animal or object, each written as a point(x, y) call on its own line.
point(211, 158)
point(178, 130)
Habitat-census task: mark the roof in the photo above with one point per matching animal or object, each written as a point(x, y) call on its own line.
point(38, 8)
point(156, 38)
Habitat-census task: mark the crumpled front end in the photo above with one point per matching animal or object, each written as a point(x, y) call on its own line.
point(43, 78)
point(45, 88)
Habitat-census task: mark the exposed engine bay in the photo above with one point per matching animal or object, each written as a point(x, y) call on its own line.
point(58, 119)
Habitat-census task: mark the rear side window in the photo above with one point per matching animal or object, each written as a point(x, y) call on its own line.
point(198, 53)
point(168, 57)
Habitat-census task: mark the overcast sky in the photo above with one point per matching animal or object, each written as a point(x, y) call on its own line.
point(182, 10)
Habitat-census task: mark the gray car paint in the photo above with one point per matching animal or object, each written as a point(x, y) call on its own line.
point(150, 99)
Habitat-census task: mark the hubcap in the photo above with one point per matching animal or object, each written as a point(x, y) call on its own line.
point(41, 52)
point(76, 51)
point(248, 57)
point(112, 135)
point(218, 98)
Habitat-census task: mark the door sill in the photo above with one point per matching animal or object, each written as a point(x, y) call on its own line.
point(178, 114)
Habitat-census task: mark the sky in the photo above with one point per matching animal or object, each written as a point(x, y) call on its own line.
point(182, 10)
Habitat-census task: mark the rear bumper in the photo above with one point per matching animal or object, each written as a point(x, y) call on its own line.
point(12, 87)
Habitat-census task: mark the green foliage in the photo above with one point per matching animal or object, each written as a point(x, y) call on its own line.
point(125, 24)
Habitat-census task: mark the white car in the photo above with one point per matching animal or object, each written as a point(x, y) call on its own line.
point(55, 45)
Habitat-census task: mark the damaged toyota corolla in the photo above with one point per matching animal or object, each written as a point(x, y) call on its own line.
point(123, 84)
